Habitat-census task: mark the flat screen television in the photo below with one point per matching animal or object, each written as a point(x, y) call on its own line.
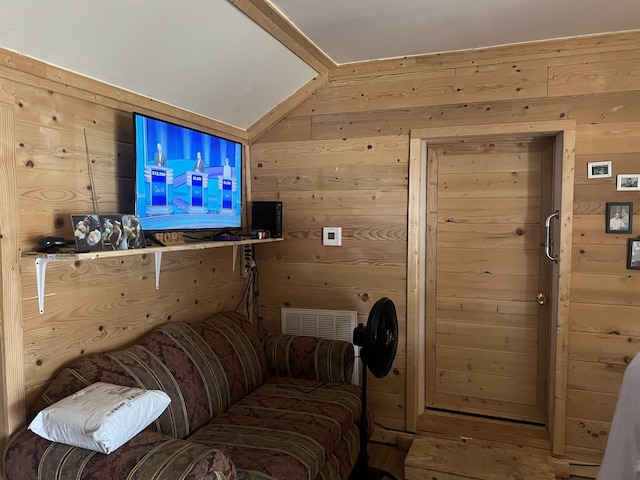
point(185, 179)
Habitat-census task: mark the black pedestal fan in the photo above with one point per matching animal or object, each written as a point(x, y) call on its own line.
point(378, 342)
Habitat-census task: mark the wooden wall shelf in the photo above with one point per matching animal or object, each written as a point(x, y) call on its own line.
point(42, 259)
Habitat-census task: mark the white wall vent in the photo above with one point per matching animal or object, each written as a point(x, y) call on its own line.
point(332, 324)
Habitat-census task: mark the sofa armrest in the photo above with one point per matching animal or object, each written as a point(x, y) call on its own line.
point(309, 357)
point(149, 455)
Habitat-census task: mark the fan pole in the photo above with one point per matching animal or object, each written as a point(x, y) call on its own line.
point(378, 342)
point(362, 470)
point(363, 456)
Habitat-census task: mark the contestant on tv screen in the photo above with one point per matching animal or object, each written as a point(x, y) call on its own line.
point(186, 179)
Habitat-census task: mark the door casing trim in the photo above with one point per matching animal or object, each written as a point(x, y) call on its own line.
point(564, 132)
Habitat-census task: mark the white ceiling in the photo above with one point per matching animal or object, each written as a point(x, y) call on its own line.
point(207, 57)
point(356, 30)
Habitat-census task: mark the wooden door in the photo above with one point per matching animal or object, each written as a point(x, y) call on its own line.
point(487, 336)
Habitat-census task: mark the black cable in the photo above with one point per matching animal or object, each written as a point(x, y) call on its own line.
point(245, 293)
point(299, 388)
point(250, 299)
point(255, 300)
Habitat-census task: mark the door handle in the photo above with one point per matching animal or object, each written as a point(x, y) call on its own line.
point(541, 298)
point(547, 238)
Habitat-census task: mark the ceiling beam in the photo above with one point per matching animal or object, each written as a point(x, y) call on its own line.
point(276, 24)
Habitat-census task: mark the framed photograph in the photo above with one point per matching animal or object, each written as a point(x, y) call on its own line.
point(87, 233)
point(628, 181)
point(599, 169)
point(619, 217)
point(113, 237)
point(633, 254)
point(133, 231)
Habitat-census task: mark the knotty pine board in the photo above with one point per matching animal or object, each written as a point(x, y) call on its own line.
point(613, 75)
point(388, 92)
point(605, 319)
point(620, 289)
point(606, 121)
point(503, 236)
point(591, 376)
point(511, 364)
point(585, 109)
point(486, 337)
point(488, 311)
point(611, 349)
point(439, 458)
point(564, 50)
point(487, 261)
point(597, 406)
point(307, 246)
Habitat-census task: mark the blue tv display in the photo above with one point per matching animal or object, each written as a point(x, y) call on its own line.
point(185, 179)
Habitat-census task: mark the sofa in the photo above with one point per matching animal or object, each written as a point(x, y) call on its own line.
point(245, 404)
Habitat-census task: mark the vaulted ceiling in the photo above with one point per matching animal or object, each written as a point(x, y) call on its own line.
point(235, 60)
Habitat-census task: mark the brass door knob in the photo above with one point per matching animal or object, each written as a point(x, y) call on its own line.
point(541, 298)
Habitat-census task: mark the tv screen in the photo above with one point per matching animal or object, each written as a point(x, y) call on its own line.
point(185, 179)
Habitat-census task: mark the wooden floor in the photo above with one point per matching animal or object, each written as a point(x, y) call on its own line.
point(434, 457)
point(490, 433)
point(387, 457)
point(391, 459)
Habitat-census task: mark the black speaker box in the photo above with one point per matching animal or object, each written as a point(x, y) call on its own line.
point(267, 216)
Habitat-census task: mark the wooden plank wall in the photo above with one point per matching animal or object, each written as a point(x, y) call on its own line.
point(361, 186)
point(331, 162)
point(89, 305)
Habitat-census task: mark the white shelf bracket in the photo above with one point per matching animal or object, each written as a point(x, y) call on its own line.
point(41, 263)
point(235, 255)
point(158, 263)
point(41, 270)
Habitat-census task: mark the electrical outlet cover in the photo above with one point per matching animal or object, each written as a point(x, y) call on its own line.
point(332, 236)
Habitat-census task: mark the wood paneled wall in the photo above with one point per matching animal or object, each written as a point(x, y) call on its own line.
point(340, 159)
point(357, 184)
point(92, 305)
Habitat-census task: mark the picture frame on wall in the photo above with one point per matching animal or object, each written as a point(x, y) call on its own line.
point(599, 169)
point(633, 254)
point(628, 182)
point(619, 217)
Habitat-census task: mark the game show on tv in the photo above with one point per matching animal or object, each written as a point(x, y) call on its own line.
point(185, 179)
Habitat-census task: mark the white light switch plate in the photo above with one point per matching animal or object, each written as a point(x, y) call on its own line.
point(332, 236)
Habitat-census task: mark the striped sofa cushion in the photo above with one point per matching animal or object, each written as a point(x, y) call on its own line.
point(204, 368)
point(288, 428)
point(147, 456)
point(309, 357)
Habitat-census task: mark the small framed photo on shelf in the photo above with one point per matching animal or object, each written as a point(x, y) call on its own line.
point(628, 182)
point(633, 254)
point(133, 231)
point(619, 217)
point(113, 237)
point(599, 169)
point(121, 232)
point(87, 233)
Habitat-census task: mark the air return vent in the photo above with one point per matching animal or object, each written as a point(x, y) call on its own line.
point(331, 324)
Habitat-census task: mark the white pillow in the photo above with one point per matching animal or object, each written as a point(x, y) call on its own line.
point(100, 417)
